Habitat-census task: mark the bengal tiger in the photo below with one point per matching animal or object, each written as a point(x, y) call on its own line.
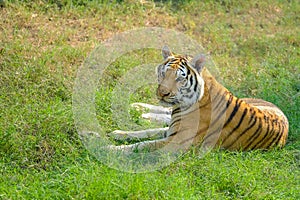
point(203, 112)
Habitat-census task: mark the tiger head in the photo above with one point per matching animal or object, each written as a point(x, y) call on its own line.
point(179, 79)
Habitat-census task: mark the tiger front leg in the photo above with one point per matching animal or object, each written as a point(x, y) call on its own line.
point(138, 135)
point(155, 113)
point(145, 146)
point(171, 144)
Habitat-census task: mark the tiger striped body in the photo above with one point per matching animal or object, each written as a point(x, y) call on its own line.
point(205, 113)
point(234, 124)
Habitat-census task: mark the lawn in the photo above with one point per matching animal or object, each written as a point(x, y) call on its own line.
point(43, 44)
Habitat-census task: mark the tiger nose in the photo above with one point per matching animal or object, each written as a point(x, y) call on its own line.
point(163, 92)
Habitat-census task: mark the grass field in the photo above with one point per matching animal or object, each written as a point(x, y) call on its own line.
point(256, 45)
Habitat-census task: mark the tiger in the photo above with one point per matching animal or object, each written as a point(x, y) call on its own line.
point(201, 111)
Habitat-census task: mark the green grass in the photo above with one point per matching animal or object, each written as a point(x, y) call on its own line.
point(256, 45)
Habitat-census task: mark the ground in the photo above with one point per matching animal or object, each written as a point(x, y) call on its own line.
point(256, 45)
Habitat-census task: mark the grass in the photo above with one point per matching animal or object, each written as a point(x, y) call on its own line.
point(256, 45)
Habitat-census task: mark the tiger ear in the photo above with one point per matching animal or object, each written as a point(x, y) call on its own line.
point(198, 62)
point(166, 52)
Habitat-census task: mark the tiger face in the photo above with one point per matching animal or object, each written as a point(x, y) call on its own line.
point(179, 79)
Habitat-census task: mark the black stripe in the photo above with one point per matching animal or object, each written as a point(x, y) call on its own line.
point(188, 71)
point(277, 138)
point(220, 100)
point(212, 124)
point(186, 140)
point(253, 114)
point(179, 109)
point(176, 110)
point(237, 126)
point(172, 134)
point(195, 86)
point(212, 133)
point(283, 126)
point(255, 135)
point(181, 67)
point(233, 113)
point(175, 121)
point(279, 127)
point(191, 80)
point(281, 133)
point(268, 137)
point(229, 101)
point(188, 96)
point(165, 134)
point(245, 131)
point(187, 90)
point(267, 133)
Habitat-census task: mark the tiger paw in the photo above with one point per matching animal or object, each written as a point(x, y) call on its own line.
point(118, 135)
point(152, 108)
point(164, 118)
point(141, 106)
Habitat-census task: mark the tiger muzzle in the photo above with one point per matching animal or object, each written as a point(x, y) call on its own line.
point(163, 92)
